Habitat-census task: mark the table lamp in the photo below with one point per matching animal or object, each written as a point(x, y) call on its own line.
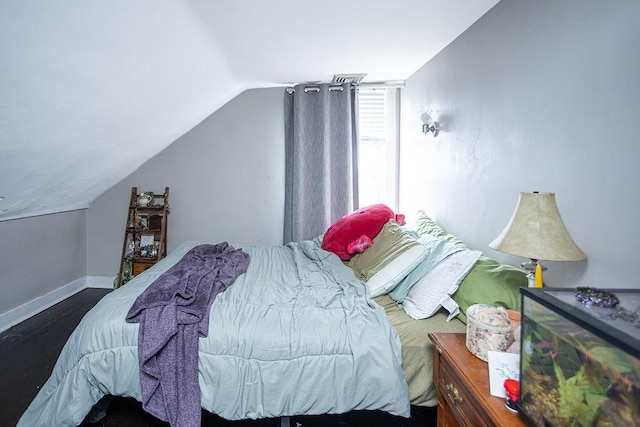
point(536, 231)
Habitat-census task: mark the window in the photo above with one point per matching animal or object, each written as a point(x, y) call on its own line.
point(378, 146)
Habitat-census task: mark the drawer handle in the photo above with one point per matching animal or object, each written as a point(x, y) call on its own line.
point(453, 393)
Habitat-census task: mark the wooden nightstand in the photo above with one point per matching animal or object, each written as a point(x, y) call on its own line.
point(462, 382)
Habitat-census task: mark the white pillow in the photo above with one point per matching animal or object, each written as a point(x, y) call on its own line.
point(435, 288)
point(387, 278)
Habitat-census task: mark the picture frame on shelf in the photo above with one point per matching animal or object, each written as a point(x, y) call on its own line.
point(155, 222)
point(146, 240)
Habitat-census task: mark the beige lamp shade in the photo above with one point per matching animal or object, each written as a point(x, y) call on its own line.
point(536, 231)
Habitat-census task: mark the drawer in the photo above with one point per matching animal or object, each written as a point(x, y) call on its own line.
point(139, 267)
point(456, 396)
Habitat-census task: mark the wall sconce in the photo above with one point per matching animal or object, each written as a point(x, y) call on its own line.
point(429, 125)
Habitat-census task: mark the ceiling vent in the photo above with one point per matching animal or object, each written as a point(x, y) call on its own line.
point(354, 79)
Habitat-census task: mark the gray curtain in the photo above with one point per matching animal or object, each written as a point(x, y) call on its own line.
point(321, 177)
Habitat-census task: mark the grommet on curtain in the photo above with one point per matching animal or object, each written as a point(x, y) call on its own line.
point(291, 90)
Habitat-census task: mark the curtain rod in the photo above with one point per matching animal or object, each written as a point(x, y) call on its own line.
point(389, 84)
point(368, 85)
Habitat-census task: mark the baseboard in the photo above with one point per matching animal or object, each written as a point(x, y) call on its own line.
point(35, 306)
point(99, 282)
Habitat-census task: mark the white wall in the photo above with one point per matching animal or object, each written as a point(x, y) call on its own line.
point(535, 96)
point(40, 256)
point(226, 179)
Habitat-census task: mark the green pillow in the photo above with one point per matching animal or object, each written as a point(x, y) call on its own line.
point(425, 225)
point(488, 282)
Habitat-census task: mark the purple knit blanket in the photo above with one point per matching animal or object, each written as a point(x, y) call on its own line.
point(173, 313)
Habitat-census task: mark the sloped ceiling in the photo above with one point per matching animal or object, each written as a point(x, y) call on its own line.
point(89, 90)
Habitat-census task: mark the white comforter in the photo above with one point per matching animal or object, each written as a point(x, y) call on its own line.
point(296, 334)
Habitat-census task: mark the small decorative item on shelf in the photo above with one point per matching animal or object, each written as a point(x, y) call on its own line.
point(131, 247)
point(153, 251)
point(141, 222)
point(136, 243)
point(149, 251)
point(148, 247)
point(145, 199)
point(125, 275)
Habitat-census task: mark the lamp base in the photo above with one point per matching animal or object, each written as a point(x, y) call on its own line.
point(530, 268)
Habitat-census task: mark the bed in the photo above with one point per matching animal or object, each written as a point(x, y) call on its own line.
point(298, 333)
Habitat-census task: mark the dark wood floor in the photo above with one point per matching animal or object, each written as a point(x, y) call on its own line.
point(29, 350)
